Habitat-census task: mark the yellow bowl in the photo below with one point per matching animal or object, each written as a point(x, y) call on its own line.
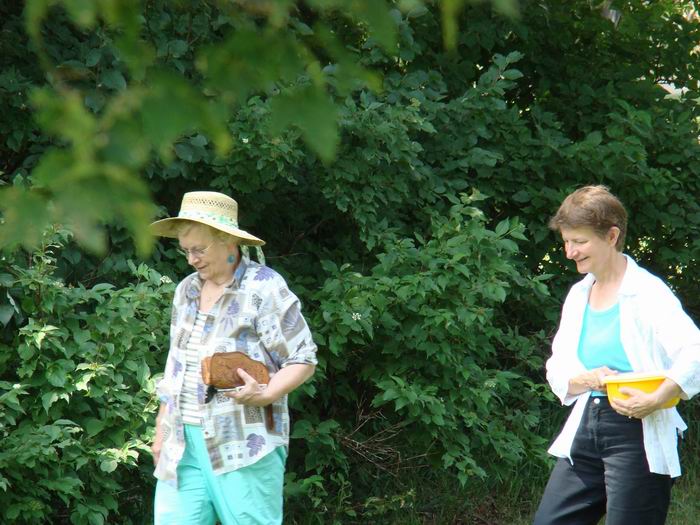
point(646, 382)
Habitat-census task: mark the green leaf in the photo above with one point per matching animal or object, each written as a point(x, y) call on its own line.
point(312, 111)
point(26, 352)
point(13, 511)
point(108, 465)
point(512, 74)
point(522, 196)
point(83, 12)
point(56, 376)
point(184, 152)
point(502, 227)
point(137, 54)
point(125, 144)
point(6, 313)
point(177, 48)
point(102, 287)
point(509, 8)
point(450, 10)
point(35, 12)
point(95, 100)
point(199, 141)
point(49, 399)
point(594, 139)
point(64, 115)
point(163, 126)
point(113, 79)
point(25, 215)
point(381, 24)
point(251, 60)
point(94, 426)
point(93, 57)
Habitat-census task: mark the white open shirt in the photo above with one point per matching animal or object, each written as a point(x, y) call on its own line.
point(657, 335)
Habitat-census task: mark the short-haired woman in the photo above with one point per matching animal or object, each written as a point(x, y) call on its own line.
point(616, 457)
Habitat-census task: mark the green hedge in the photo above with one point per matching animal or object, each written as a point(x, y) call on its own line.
point(420, 252)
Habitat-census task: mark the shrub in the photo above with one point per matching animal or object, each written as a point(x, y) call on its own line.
point(76, 392)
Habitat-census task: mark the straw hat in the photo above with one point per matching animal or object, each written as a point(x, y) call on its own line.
point(206, 207)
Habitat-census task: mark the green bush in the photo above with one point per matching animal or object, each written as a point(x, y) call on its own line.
point(433, 311)
point(77, 392)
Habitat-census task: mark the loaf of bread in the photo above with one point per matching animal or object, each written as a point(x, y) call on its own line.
point(220, 370)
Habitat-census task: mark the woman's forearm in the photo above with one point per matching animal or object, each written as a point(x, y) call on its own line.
point(287, 379)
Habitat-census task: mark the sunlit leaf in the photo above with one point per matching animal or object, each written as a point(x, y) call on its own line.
point(125, 145)
point(65, 116)
point(137, 54)
point(35, 11)
point(381, 24)
point(163, 124)
point(250, 60)
point(83, 12)
point(311, 110)
point(509, 8)
point(25, 216)
point(108, 465)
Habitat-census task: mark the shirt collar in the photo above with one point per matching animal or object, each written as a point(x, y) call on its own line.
point(630, 280)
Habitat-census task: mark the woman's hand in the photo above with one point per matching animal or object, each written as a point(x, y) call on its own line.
point(640, 404)
point(281, 384)
point(158, 441)
point(156, 446)
point(251, 393)
point(590, 380)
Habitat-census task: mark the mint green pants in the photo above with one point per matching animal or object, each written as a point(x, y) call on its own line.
point(251, 495)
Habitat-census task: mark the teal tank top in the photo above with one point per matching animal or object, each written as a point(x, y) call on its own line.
point(600, 343)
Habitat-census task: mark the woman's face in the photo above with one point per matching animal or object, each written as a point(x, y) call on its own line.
point(207, 255)
point(591, 252)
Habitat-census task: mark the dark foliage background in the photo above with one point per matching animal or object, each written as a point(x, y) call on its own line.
point(403, 179)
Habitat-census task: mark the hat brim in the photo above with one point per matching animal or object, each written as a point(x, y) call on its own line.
point(169, 228)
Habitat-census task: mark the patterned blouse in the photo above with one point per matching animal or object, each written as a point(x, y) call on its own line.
point(257, 314)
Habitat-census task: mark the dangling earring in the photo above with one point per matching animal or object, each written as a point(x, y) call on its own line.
point(231, 259)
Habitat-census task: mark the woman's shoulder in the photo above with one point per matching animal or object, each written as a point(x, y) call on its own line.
point(647, 287)
point(645, 281)
point(184, 284)
point(259, 276)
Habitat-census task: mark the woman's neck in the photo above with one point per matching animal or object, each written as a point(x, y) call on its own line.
point(223, 279)
point(613, 272)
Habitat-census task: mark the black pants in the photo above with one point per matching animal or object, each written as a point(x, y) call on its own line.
point(610, 475)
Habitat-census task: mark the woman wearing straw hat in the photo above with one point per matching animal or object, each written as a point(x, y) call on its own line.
point(617, 457)
point(216, 457)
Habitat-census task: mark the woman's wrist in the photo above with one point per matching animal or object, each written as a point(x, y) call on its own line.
point(267, 396)
point(580, 384)
point(667, 391)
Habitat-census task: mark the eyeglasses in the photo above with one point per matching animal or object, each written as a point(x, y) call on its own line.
point(194, 252)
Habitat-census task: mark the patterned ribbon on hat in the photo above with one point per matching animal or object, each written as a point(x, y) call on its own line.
point(258, 252)
point(189, 214)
